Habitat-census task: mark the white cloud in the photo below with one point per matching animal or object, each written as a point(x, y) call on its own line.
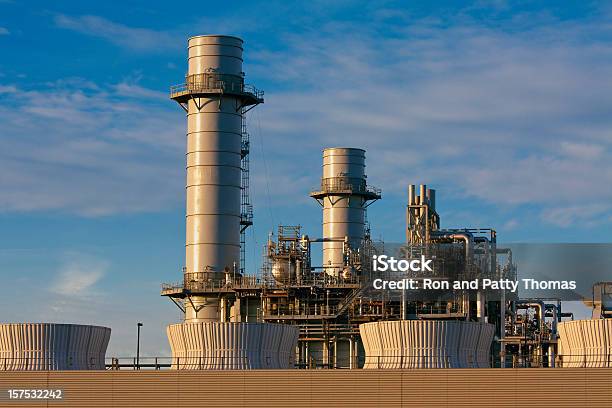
point(76, 147)
point(582, 151)
point(578, 216)
point(511, 224)
point(78, 275)
point(133, 90)
point(140, 39)
point(6, 89)
point(513, 115)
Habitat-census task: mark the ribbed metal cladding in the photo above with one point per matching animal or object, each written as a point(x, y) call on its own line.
point(492, 387)
point(232, 346)
point(585, 343)
point(51, 346)
point(213, 169)
point(426, 344)
point(343, 215)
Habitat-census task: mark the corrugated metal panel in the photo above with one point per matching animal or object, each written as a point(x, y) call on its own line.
point(426, 344)
point(219, 346)
point(572, 387)
point(51, 346)
point(586, 343)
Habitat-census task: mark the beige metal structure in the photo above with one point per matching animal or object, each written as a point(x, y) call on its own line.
point(585, 343)
point(427, 344)
point(51, 346)
point(344, 196)
point(215, 99)
point(213, 336)
point(232, 345)
point(427, 388)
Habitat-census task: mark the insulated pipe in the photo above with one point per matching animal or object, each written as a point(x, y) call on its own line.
point(423, 200)
point(431, 198)
point(466, 237)
point(411, 198)
point(552, 307)
point(423, 194)
point(490, 253)
point(539, 306)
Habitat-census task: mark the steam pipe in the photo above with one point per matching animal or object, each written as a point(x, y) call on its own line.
point(431, 198)
point(537, 304)
point(466, 237)
point(411, 198)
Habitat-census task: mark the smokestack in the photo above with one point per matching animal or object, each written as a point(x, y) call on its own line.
point(344, 195)
point(214, 97)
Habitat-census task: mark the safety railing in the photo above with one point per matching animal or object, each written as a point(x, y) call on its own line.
point(201, 281)
point(417, 361)
point(47, 361)
point(474, 360)
point(345, 184)
point(215, 83)
point(197, 362)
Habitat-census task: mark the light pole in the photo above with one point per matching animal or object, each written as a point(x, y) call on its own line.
point(138, 347)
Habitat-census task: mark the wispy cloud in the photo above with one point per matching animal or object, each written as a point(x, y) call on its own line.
point(514, 114)
point(78, 147)
point(585, 215)
point(6, 89)
point(4, 31)
point(78, 275)
point(139, 39)
point(582, 151)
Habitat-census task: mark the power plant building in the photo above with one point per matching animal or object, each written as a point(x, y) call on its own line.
point(295, 313)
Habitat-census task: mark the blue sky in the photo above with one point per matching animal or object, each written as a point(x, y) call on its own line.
point(504, 107)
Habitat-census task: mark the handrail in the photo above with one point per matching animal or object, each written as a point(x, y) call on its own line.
point(399, 361)
point(338, 184)
point(213, 83)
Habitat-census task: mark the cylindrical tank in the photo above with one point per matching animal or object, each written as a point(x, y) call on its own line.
point(214, 137)
point(52, 346)
point(344, 181)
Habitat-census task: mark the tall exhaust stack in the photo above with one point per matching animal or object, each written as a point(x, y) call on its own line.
point(217, 332)
point(215, 99)
point(344, 196)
